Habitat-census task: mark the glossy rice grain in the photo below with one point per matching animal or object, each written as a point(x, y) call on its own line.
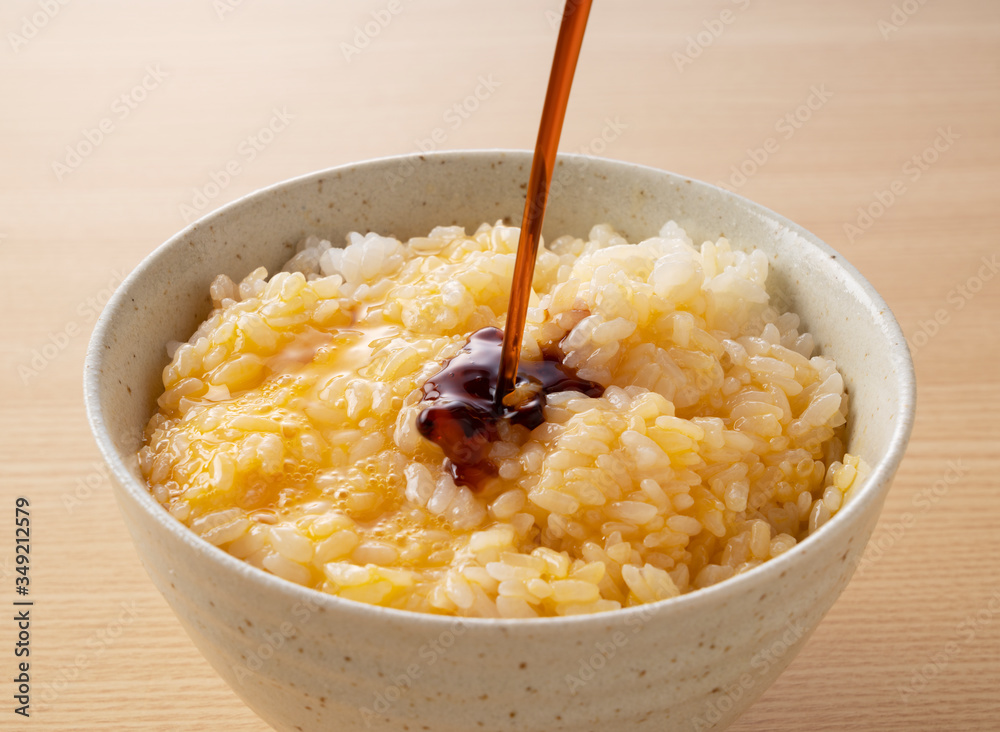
point(286, 433)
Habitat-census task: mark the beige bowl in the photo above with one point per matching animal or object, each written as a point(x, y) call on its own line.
point(308, 661)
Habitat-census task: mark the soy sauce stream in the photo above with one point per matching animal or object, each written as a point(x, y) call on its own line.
point(574, 23)
point(484, 384)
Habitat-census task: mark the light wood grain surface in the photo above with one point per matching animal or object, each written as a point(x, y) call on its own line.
point(914, 642)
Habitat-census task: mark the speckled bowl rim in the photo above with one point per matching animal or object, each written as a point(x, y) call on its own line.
point(769, 571)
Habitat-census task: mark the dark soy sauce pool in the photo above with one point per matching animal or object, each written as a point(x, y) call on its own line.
point(462, 415)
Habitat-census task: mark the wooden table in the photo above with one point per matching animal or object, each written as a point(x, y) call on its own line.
point(118, 116)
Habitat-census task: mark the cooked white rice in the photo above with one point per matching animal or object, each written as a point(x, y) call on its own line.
point(286, 433)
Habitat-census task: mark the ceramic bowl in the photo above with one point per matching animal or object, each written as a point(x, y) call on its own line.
point(304, 660)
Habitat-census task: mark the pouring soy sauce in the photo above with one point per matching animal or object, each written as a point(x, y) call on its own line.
point(486, 383)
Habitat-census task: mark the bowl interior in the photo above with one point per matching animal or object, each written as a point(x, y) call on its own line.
point(167, 295)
